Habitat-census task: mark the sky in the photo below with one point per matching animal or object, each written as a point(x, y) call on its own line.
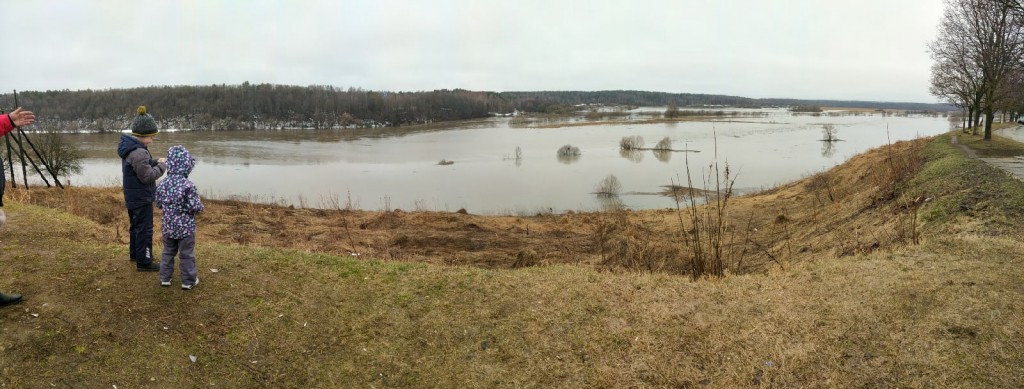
point(873, 50)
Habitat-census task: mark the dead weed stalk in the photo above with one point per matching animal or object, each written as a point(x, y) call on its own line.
point(335, 204)
point(706, 240)
point(899, 167)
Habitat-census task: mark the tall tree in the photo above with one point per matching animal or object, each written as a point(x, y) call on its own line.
point(994, 42)
point(955, 76)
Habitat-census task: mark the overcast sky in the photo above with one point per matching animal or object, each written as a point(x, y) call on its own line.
point(813, 49)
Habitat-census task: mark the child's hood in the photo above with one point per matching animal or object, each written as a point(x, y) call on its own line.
point(179, 160)
point(126, 144)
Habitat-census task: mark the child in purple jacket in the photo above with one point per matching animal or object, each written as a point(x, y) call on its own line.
point(179, 200)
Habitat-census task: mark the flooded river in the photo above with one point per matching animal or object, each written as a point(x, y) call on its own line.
point(388, 169)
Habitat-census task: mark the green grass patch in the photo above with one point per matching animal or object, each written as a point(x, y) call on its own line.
point(996, 147)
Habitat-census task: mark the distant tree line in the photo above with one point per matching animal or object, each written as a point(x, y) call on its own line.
point(249, 106)
point(269, 106)
point(979, 60)
point(555, 101)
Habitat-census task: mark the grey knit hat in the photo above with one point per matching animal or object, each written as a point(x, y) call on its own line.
point(143, 125)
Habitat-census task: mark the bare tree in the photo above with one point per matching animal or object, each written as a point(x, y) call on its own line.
point(829, 133)
point(62, 157)
point(664, 144)
point(672, 111)
point(985, 37)
point(1015, 6)
point(955, 77)
point(608, 187)
point(632, 142)
point(1011, 95)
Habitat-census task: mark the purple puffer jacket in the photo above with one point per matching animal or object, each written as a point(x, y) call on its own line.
point(177, 196)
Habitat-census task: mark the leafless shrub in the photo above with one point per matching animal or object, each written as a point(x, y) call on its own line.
point(822, 182)
point(672, 111)
point(568, 151)
point(608, 187)
point(520, 121)
point(706, 241)
point(664, 144)
point(828, 133)
point(897, 169)
point(632, 142)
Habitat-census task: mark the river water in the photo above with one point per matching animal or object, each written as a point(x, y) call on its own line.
point(398, 169)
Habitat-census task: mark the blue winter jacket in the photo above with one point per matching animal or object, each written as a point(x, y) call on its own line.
point(139, 172)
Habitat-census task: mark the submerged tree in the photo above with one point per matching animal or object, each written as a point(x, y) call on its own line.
point(568, 151)
point(672, 111)
point(608, 187)
point(828, 133)
point(632, 142)
point(568, 154)
point(664, 144)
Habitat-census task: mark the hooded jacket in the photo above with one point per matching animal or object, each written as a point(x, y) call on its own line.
point(177, 196)
point(139, 172)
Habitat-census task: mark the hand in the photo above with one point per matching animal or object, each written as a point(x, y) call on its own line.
point(22, 118)
point(162, 160)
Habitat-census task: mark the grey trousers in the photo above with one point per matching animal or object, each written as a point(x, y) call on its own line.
point(185, 248)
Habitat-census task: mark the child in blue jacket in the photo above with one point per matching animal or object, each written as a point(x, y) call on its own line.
point(179, 200)
point(140, 172)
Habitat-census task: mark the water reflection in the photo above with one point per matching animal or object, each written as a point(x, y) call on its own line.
point(662, 155)
point(568, 158)
point(634, 155)
point(610, 203)
point(828, 149)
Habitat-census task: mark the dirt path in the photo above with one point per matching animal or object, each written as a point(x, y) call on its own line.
point(967, 150)
point(1013, 165)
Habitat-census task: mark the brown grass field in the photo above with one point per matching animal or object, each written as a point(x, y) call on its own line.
point(899, 268)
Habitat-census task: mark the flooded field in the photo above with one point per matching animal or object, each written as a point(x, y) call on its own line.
point(389, 169)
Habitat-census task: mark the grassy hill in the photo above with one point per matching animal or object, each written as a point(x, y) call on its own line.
point(838, 295)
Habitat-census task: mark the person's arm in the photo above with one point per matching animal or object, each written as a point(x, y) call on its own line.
point(6, 124)
point(159, 198)
point(144, 170)
point(195, 205)
point(15, 119)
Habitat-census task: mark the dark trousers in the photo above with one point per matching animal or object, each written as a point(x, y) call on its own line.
point(3, 181)
point(140, 234)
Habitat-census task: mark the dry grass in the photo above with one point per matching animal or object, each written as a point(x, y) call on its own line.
point(290, 307)
point(843, 211)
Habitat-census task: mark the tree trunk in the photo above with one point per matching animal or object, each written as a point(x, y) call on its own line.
point(977, 122)
point(989, 115)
